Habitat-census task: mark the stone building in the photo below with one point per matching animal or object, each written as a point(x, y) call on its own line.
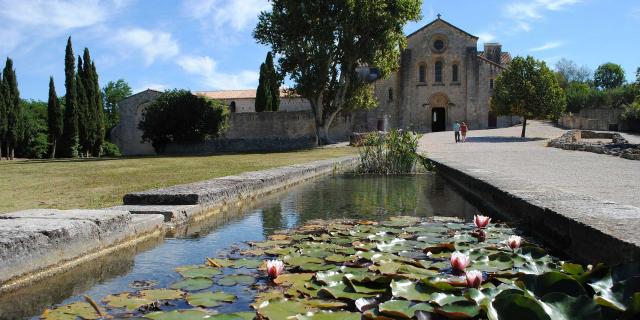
point(442, 78)
point(126, 134)
point(244, 100)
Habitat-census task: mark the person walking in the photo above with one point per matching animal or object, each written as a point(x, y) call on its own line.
point(463, 129)
point(456, 131)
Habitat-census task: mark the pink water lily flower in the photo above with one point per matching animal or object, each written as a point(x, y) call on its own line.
point(481, 221)
point(459, 261)
point(275, 268)
point(474, 278)
point(514, 242)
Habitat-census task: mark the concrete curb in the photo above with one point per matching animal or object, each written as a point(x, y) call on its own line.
point(581, 227)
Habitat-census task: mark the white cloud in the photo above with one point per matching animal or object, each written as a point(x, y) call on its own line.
point(206, 69)
point(33, 21)
point(523, 13)
point(486, 37)
point(219, 14)
point(547, 46)
point(152, 45)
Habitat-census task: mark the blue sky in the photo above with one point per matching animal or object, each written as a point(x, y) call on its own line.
point(207, 44)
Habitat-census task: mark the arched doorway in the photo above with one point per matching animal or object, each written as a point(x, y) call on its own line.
point(232, 107)
point(439, 103)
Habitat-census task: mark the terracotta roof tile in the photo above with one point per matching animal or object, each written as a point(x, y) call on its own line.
point(505, 57)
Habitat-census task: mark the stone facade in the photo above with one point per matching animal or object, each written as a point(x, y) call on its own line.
point(242, 101)
point(442, 78)
point(126, 134)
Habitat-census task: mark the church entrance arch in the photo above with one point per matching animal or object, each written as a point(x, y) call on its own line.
point(439, 103)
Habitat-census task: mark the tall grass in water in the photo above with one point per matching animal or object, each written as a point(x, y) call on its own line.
point(393, 153)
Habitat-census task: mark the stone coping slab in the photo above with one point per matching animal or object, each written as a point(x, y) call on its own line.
point(171, 214)
point(32, 241)
point(579, 226)
point(224, 189)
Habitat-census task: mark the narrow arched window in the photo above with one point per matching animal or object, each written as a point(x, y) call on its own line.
point(454, 73)
point(390, 94)
point(438, 71)
point(232, 107)
point(422, 74)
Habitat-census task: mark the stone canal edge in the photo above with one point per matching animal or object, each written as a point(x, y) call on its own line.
point(39, 243)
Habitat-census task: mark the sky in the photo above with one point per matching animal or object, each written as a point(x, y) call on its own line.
point(208, 45)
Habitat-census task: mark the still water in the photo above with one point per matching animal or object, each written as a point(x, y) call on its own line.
point(345, 196)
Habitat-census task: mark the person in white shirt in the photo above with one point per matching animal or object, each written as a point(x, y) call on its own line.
point(456, 131)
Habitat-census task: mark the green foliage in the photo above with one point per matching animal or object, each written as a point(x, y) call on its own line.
point(113, 93)
point(274, 82)
point(34, 142)
point(13, 109)
point(608, 76)
point(110, 150)
point(264, 97)
point(578, 96)
point(528, 89)
point(391, 153)
point(90, 111)
point(54, 118)
point(70, 136)
point(320, 45)
point(632, 111)
point(568, 72)
point(181, 117)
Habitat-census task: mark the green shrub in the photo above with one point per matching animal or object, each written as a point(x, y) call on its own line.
point(110, 150)
point(181, 117)
point(632, 111)
point(391, 153)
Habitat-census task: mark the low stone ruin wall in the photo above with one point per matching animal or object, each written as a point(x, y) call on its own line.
point(618, 145)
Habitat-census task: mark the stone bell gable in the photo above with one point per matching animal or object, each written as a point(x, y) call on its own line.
point(442, 78)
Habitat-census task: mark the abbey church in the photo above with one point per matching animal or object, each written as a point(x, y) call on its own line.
point(442, 78)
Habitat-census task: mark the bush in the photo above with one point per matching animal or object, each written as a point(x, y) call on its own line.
point(632, 112)
point(110, 150)
point(578, 95)
point(181, 117)
point(391, 153)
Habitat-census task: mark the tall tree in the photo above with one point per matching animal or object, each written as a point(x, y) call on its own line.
point(322, 44)
point(528, 89)
point(70, 136)
point(13, 108)
point(274, 83)
point(608, 76)
point(113, 93)
point(84, 116)
point(263, 93)
point(571, 72)
point(98, 113)
point(3, 116)
point(54, 118)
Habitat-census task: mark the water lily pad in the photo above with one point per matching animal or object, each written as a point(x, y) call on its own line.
point(125, 300)
point(197, 271)
point(246, 263)
point(281, 309)
point(71, 312)
point(179, 315)
point(402, 309)
point(161, 294)
point(193, 284)
point(410, 290)
point(209, 299)
point(460, 310)
point(513, 304)
point(561, 306)
point(234, 316)
point(235, 279)
point(338, 315)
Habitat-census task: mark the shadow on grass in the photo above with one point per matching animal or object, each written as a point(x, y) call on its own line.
point(501, 139)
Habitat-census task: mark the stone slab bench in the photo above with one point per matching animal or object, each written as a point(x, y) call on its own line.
point(35, 240)
point(172, 214)
point(225, 189)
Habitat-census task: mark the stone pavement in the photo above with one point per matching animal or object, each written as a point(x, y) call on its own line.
point(584, 204)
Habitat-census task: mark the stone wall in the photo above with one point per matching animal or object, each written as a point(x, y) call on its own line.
point(610, 143)
point(594, 119)
point(126, 134)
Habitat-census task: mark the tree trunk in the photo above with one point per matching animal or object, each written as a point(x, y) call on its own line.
point(12, 153)
point(524, 127)
point(53, 149)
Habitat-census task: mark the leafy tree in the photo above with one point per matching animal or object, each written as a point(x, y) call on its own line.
point(179, 116)
point(608, 76)
point(264, 101)
point(13, 108)
point(54, 118)
point(571, 72)
point(113, 93)
point(70, 135)
point(321, 45)
point(528, 89)
point(34, 142)
point(274, 82)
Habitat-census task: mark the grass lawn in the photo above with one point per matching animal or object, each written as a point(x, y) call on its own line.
point(65, 184)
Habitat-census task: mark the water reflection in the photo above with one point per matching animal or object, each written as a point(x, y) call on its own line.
point(360, 197)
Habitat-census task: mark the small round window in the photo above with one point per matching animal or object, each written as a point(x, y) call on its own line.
point(438, 45)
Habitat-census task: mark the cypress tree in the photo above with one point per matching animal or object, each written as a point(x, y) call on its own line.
point(99, 113)
point(54, 118)
point(84, 121)
point(263, 93)
point(274, 82)
point(3, 116)
point(70, 130)
point(13, 108)
point(91, 107)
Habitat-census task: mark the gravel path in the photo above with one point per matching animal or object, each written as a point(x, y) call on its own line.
point(602, 177)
